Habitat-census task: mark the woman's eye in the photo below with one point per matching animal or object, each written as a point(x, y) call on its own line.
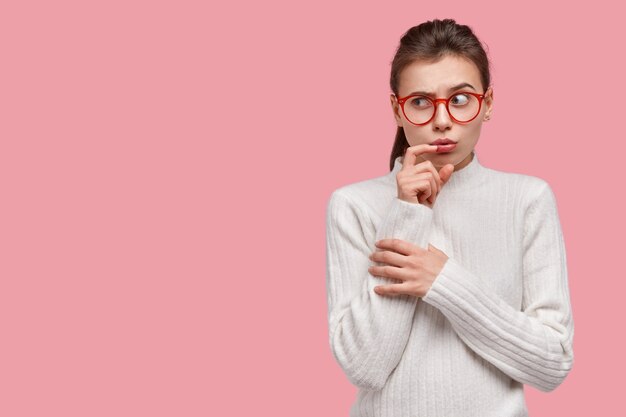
point(420, 102)
point(459, 99)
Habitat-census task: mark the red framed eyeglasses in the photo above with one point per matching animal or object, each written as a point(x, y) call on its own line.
point(420, 110)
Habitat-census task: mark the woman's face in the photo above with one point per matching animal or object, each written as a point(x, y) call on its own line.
point(438, 78)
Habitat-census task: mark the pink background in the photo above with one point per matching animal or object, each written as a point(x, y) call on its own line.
point(165, 169)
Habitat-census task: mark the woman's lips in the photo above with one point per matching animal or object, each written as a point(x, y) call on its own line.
point(446, 148)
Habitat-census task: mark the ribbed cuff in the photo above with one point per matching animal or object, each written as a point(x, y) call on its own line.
point(407, 221)
point(436, 293)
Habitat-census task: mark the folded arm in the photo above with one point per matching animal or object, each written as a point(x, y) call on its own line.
point(535, 345)
point(367, 332)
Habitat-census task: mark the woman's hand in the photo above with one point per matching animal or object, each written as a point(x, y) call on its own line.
point(421, 183)
point(415, 267)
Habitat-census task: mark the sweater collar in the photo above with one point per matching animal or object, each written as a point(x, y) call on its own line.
point(459, 179)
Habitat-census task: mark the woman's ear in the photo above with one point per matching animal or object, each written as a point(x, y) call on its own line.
point(488, 102)
point(395, 107)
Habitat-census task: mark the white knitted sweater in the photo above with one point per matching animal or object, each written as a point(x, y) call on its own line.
point(497, 316)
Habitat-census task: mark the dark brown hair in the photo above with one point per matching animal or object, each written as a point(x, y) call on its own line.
point(430, 41)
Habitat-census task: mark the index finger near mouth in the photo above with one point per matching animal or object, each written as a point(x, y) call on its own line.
point(412, 152)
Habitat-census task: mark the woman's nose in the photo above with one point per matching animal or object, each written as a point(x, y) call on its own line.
point(442, 118)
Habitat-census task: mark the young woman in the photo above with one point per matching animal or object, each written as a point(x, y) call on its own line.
point(447, 280)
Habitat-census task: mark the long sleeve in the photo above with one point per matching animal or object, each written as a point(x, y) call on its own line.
point(533, 346)
point(368, 332)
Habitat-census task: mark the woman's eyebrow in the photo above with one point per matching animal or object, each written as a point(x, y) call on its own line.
point(456, 87)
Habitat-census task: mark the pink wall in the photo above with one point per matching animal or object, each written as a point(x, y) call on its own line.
point(165, 169)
